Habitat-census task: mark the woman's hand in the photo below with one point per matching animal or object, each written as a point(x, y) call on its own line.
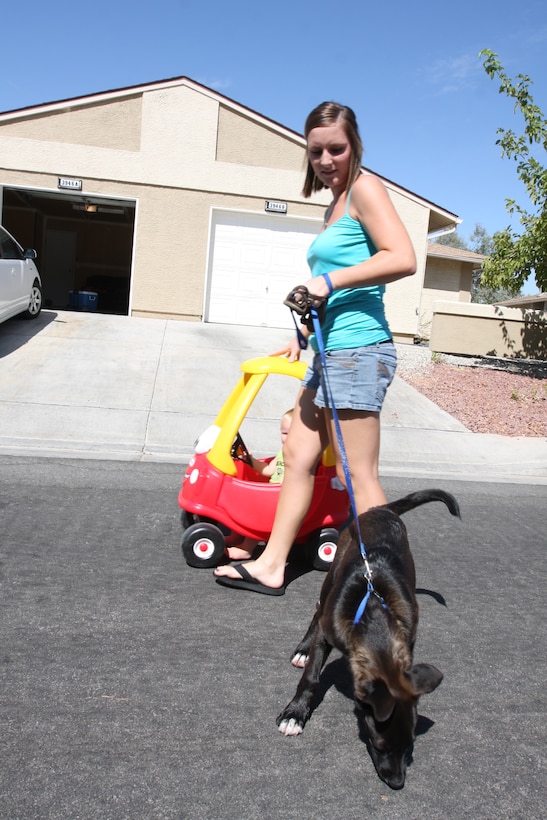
point(318, 288)
point(291, 351)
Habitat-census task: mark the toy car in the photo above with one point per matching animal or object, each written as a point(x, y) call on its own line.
point(222, 494)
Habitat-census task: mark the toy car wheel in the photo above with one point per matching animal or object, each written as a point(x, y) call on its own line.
point(224, 530)
point(321, 548)
point(188, 518)
point(203, 545)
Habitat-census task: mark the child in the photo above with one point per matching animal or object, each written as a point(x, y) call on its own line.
point(273, 470)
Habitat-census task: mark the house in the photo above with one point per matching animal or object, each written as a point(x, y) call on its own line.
point(448, 277)
point(171, 200)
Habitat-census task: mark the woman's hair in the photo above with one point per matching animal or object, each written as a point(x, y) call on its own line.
point(331, 113)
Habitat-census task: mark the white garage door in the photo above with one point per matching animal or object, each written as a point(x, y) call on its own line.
point(254, 261)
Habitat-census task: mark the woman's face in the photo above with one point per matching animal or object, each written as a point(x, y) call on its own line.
point(329, 153)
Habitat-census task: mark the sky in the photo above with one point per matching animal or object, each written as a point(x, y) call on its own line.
point(427, 110)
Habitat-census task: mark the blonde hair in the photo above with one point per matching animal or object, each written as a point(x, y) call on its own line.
point(332, 113)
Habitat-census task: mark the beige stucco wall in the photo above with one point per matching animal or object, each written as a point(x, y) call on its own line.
point(102, 125)
point(402, 299)
point(488, 330)
point(243, 141)
point(445, 279)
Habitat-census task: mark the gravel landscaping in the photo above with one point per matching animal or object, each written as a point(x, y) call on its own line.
point(507, 397)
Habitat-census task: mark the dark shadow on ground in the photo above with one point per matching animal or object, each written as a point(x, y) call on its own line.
point(16, 332)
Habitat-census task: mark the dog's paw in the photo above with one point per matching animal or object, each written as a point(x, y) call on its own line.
point(299, 659)
point(290, 727)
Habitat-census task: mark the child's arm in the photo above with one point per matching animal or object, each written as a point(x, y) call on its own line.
point(265, 468)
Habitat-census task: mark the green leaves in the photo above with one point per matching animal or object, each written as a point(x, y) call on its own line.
point(517, 255)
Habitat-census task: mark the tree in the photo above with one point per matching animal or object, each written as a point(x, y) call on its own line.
point(516, 256)
point(453, 240)
point(481, 241)
point(484, 295)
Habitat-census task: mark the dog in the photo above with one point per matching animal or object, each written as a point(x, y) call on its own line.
point(379, 645)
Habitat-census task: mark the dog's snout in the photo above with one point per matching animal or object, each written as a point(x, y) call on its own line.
point(391, 769)
point(395, 781)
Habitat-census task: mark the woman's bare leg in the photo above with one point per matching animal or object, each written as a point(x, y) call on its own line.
point(303, 447)
point(361, 436)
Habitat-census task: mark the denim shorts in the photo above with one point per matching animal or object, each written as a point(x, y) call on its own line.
point(358, 377)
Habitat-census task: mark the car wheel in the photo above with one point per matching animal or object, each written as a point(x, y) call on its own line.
point(35, 302)
point(203, 545)
point(321, 548)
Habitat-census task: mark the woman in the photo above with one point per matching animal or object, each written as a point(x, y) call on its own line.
point(363, 245)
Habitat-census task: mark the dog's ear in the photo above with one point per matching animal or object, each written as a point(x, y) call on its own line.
point(424, 678)
point(378, 697)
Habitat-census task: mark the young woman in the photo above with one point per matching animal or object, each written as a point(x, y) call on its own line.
point(363, 245)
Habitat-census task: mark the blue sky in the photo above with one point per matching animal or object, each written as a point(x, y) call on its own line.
point(427, 110)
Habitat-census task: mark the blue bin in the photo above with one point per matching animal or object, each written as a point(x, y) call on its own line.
point(83, 300)
point(87, 300)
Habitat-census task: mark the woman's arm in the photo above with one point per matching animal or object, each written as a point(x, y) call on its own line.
point(395, 257)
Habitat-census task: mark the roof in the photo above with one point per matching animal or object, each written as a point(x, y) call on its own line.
point(537, 302)
point(438, 217)
point(448, 252)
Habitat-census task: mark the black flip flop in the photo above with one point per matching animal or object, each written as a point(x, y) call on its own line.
point(247, 582)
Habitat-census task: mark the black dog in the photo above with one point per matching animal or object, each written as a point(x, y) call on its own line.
point(379, 647)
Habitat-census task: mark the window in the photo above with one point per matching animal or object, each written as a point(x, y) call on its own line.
point(8, 248)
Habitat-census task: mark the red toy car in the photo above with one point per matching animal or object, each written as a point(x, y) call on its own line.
point(222, 494)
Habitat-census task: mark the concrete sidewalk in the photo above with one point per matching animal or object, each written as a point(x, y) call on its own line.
point(112, 387)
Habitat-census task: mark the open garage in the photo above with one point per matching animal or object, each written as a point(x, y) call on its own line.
point(84, 244)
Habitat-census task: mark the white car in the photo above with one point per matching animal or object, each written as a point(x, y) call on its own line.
point(20, 283)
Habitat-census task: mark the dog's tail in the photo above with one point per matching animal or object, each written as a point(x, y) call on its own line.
point(409, 502)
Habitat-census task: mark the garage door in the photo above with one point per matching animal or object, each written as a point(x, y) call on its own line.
point(254, 261)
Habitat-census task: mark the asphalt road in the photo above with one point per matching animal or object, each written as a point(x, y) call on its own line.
point(133, 686)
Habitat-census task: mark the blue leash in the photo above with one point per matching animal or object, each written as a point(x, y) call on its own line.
point(344, 459)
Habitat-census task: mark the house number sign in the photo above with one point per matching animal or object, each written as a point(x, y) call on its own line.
point(71, 184)
point(276, 207)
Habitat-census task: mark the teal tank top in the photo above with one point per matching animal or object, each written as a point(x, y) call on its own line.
point(354, 317)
